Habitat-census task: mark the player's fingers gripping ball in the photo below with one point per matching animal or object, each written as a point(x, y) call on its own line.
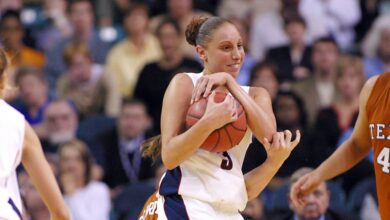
point(224, 138)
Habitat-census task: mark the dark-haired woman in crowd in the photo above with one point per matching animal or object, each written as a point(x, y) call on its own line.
point(200, 184)
point(155, 77)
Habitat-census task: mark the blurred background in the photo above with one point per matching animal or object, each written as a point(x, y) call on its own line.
point(90, 75)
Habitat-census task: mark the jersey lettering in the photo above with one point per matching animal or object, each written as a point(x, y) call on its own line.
point(384, 159)
point(227, 163)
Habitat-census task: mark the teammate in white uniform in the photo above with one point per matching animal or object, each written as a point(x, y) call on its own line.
point(200, 184)
point(19, 143)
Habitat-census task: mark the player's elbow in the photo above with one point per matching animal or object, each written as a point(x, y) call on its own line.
point(168, 159)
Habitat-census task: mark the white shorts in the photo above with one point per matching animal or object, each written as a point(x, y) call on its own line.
point(183, 208)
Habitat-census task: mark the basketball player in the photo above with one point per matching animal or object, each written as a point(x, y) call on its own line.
point(200, 184)
point(372, 128)
point(19, 143)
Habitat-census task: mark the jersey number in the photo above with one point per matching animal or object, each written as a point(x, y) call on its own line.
point(227, 163)
point(384, 159)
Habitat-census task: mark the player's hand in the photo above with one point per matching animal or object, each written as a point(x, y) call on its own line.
point(219, 114)
point(205, 84)
point(282, 145)
point(303, 187)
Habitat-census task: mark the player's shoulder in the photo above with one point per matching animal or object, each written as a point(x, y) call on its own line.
point(255, 91)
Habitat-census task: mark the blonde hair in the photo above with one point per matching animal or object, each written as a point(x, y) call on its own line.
point(152, 148)
point(349, 61)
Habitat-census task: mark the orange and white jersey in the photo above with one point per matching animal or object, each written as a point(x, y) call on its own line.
point(378, 115)
point(12, 125)
point(206, 181)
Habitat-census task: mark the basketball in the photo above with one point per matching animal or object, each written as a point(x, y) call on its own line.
point(224, 138)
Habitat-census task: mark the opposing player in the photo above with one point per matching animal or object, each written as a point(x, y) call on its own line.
point(200, 184)
point(372, 129)
point(19, 143)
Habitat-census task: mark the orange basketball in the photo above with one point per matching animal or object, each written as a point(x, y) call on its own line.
point(224, 138)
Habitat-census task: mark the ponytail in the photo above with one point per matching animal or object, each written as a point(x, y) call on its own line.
point(152, 148)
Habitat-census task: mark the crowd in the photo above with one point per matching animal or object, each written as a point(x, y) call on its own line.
point(90, 76)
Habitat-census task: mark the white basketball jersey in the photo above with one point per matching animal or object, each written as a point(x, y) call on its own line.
point(12, 125)
point(204, 177)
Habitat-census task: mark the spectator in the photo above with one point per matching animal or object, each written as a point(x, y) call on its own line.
point(85, 80)
point(87, 199)
point(61, 122)
point(291, 115)
point(268, 32)
point(245, 9)
point(182, 11)
point(369, 10)
point(292, 59)
point(127, 58)
point(318, 91)
point(265, 75)
point(11, 32)
point(332, 121)
point(155, 77)
point(376, 47)
point(54, 25)
point(81, 18)
point(33, 96)
point(123, 163)
point(338, 18)
point(317, 205)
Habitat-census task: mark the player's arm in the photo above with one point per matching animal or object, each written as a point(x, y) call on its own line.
point(277, 152)
point(42, 176)
point(177, 143)
point(354, 148)
point(257, 104)
point(258, 109)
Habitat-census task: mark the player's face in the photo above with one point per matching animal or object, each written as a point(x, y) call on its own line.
point(316, 204)
point(225, 51)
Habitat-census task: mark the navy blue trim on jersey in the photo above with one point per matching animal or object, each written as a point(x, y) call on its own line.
point(174, 206)
point(171, 182)
point(15, 208)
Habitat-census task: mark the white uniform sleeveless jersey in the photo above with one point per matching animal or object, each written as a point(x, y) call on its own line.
point(203, 187)
point(12, 125)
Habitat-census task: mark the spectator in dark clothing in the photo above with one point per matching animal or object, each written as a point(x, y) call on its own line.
point(123, 163)
point(155, 77)
point(293, 60)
